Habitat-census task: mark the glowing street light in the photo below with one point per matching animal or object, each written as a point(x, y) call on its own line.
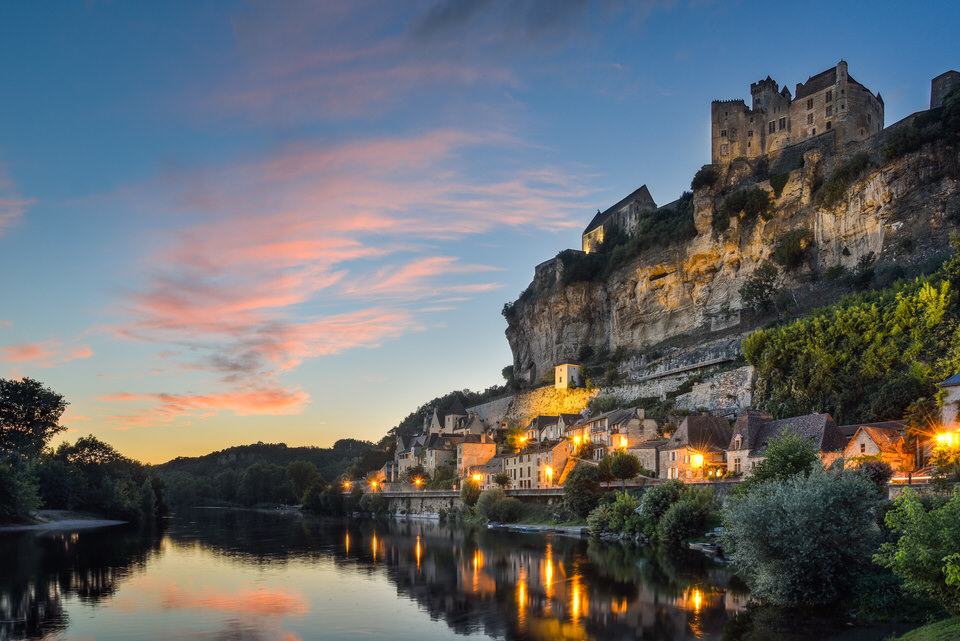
point(477, 477)
point(549, 472)
point(947, 439)
point(696, 461)
point(346, 485)
point(418, 481)
point(373, 485)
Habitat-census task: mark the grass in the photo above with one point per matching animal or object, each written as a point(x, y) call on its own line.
point(946, 630)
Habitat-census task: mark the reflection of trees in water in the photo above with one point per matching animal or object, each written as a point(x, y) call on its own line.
point(37, 570)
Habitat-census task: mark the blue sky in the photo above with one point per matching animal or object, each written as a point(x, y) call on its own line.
point(226, 222)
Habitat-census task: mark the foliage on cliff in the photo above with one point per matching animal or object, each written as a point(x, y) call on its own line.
point(865, 358)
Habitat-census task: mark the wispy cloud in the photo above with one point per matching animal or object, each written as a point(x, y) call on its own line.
point(12, 204)
point(44, 353)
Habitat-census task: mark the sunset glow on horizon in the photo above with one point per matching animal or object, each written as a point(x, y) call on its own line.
point(241, 221)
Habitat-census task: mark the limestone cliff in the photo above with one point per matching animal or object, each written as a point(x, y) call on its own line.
point(680, 307)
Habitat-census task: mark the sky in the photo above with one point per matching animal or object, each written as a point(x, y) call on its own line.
point(225, 222)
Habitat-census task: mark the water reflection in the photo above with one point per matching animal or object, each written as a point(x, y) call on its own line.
point(228, 574)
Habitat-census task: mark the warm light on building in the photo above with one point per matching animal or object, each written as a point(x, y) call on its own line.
point(478, 477)
point(696, 460)
point(623, 442)
point(346, 485)
point(549, 472)
point(373, 484)
point(418, 481)
point(948, 439)
point(576, 439)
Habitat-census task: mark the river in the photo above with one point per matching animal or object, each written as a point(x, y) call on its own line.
point(243, 575)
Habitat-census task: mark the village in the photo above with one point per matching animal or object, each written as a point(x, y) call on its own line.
point(457, 444)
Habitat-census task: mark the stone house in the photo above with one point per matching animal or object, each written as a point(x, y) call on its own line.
point(696, 449)
point(566, 375)
point(950, 409)
point(542, 428)
point(486, 472)
point(474, 450)
point(624, 216)
point(648, 452)
point(536, 466)
point(440, 451)
point(755, 429)
point(617, 429)
point(409, 453)
point(886, 444)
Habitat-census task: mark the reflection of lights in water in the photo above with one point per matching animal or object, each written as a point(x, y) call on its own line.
point(374, 548)
point(548, 575)
point(347, 542)
point(697, 599)
point(418, 553)
point(578, 599)
point(522, 600)
point(477, 560)
point(694, 601)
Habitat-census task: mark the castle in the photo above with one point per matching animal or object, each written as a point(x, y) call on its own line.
point(829, 111)
point(830, 103)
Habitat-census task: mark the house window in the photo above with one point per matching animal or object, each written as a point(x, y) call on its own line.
point(863, 448)
point(737, 443)
point(809, 103)
point(773, 126)
point(809, 119)
point(828, 125)
point(829, 96)
point(736, 466)
point(829, 110)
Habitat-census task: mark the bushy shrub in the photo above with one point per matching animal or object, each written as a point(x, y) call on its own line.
point(657, 500)
point(830, 193)
point(598, 521)
point(373, 502)
point(469, 492)
point(18, 492)
point(706, 177)
point(925, 554)
point(506, 510)
point(682, 521)
point(800, 541)
point(792, 248)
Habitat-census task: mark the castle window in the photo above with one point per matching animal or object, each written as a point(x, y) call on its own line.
point(723, 149)
point(828, 124)
point(750, 133)
point(813, 132)
point(843, 106)
point(748, 145)
point(783, 124)
point(869, 117)
point(773, 126)
point(830, 110)
point(723, 133)
point(751, 118)
point(809, 119)
point(829, 96)
point(843, 91)
point(809, 103)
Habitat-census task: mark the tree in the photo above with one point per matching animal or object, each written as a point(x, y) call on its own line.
point(414, 473)
point(502, 479)
point(18, 492)
point(301, 474)
point(925, 554)
point(624, 466)
point(787, 455)
point(29, 416)
point(469, 492)
point(801, 540)
point(581, 492)
point(759, 289)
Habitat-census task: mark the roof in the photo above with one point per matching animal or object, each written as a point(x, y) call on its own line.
point(614, 417)
point(952, 381)
point(569, 419)
point(849, 430)
point(456, 408)
point(890, 441)
point(819, 429)
point(492, 466)
point(539, 422)
point(704, 433)
point(817, 83)
point(640, 194)
point(748, 427)
point(650, 445)
point(443, 442)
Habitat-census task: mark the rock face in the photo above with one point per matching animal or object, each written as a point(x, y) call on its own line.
point(687, 295)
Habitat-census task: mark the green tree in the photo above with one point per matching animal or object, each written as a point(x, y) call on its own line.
point(502, 479)
point(624, 466)
point(29, 416)
point(414, 473)
point(469, 492)
point(18, 492)
point(759, 289)
point(581, 492)
point(301, 474)
point(657, 500)
point(148, 500)
point(787, 455)
point(925, 554)
point(683, 520)
point(801, 541)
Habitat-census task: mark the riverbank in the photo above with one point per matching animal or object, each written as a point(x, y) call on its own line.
point(61, 520)
point(946, 630)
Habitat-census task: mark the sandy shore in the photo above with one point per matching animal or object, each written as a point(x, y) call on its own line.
point(58, 520)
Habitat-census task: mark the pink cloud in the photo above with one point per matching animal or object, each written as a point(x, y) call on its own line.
point(166, 408)
point(44, 353)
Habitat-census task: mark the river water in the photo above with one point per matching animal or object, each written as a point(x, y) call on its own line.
point(239, 575)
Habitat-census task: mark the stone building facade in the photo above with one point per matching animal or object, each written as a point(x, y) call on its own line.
point(830, 101)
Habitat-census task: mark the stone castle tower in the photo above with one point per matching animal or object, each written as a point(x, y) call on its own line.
point(831, 105)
